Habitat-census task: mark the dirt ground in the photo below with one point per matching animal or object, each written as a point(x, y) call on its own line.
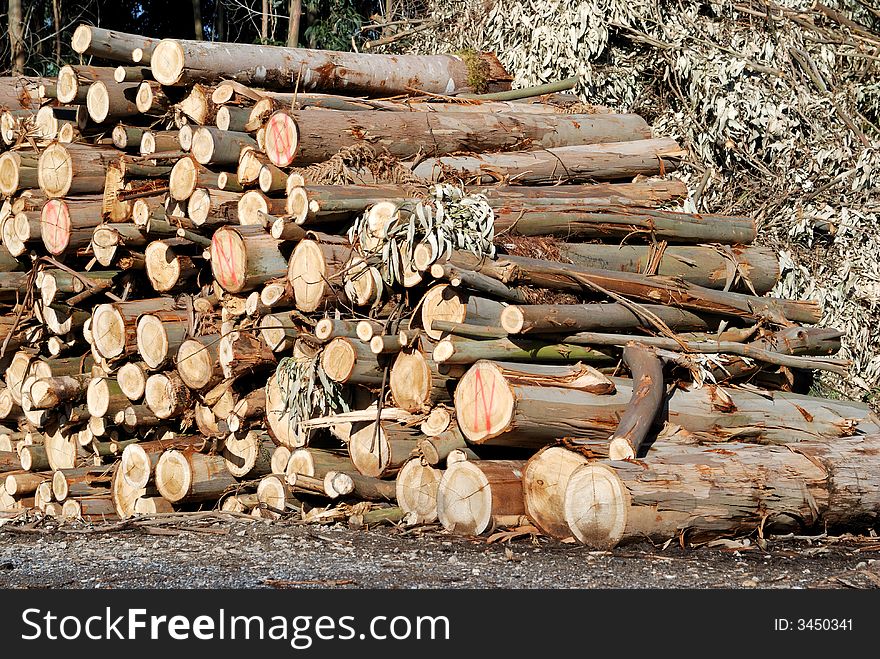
point(244, 554)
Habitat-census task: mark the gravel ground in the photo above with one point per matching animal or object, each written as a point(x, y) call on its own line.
point(281, 554)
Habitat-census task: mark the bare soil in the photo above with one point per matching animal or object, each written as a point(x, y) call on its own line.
point(244, 554)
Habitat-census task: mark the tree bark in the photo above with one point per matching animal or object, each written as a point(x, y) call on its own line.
point(110, 44)
point(636, 421)
point(569, 318)
point(308, 136)
point(294, 13)
point(16, 38)
point(473, 495)
point(569, 164)
point(698, 492)
point(244, 257)
point(177, 62)
point(497, 409)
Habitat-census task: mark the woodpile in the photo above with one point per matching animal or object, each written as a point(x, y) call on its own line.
point(223, 293)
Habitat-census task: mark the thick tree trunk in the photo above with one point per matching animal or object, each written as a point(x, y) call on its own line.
point(190, 477)
point(568, 164)
point(381, 449)
point(416, 489)
point(498, 409)
point(474, 496)
point(178, 62)
point(309, 136)
point(73, 169)
point(245, 257)
point(699, 492)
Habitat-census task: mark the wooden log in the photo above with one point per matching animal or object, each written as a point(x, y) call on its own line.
point(212, 146)
point(415, 382)
point(380, 449)
point(128, 137)
point(473, 495)
point(279, 331)
point(436, 448)
point(231, 117)
point(152, 506)
point(107, 239)
point(137, 418)
point(308, 136)
point(153, 99)
point(73, 82)
point(49, 393)
point(167, 395)
point(442, 302)
point(104, 398)
point(509, 410)
point(168, 267)
point(250, 163)
point(339, 483)
point(198, 362)
point(21, 484)
point(654, 289)
point(248, 455)
point(438, 421)
point(696, 492)
point(160, 334)
point(114, 326)
point(110, 44)
point(416, 490)
point(316, 463)
point(90, 509)
point(242, 352)
point(275, 496)
point(568, 318)
point(569, 164)
point(33, 457)
point(132, 74)
point(711, 267)
point(545, 479)
point(9, 461)
point(72, 169)
point(18, 170)
point(125, 496)
point(139, 460)
point(177, 62)
point(253, 205)
point(245, 257)
point(198, 106)
point(190, 477)
point(69, 223)
point(187, 175)
point(111, 101)
point(159, 141)
point(211, 208)
point(348, 361)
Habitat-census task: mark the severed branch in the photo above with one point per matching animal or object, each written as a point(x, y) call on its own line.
point(647, 399)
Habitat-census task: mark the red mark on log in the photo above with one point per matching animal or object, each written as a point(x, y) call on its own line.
point(59, 219)
point(480, 399)
point(227, 269)
point(283, 147)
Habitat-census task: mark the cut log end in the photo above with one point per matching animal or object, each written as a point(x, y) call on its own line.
point(417, 485)
point(464, 502)
point(136, 466)
point(545, 478)
point(173, 476)
point(98, 102)
point(596, 506)
point(281, 140)
point(484, 404)
point(512, 320)
point(338, 359)
point(167, 62)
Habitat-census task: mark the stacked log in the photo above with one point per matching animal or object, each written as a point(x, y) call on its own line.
point(273, 299)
